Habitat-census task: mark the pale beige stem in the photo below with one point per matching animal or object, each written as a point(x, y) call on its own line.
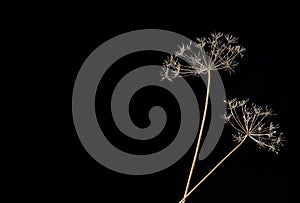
point(200, 134)
point(212, 170)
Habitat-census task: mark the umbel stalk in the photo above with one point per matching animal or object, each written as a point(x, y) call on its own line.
point(199, 136)
point(211, 171)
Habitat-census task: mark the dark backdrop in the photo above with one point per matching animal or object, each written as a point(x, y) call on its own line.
point(263, 75)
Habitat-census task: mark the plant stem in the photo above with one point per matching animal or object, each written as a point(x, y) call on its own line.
point(199, 136)
point(212, 170)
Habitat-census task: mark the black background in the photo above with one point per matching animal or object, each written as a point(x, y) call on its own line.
point(263, 75)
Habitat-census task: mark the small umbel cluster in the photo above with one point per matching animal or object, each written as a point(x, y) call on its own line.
point(219, 51)
point(249, 122)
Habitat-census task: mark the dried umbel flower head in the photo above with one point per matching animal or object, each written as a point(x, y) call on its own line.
point(250, 122)
point(216, 52)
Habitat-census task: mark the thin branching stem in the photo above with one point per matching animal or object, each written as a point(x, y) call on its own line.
point(211, 171)
point(200, 134)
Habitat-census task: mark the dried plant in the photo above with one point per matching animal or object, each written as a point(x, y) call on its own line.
point(219, 52)
point(216, 52)
point(249, 122)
